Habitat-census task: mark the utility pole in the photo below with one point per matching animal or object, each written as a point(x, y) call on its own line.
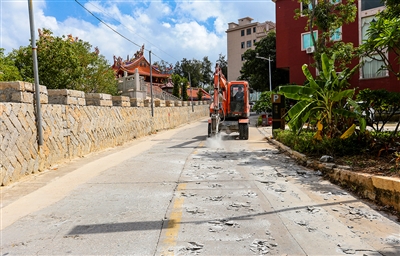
point(151, 85)
point(36, 76)
point(182, 91)
point(191, 92)
point(269, 62)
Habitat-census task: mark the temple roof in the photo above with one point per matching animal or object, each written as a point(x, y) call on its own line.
point(193, 91)
point(137, 62)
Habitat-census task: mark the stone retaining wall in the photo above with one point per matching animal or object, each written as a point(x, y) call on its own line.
point(71, 128)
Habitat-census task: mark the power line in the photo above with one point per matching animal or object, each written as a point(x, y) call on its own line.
point(119, 32)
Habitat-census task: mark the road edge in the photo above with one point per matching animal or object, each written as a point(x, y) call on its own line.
point(384, 191)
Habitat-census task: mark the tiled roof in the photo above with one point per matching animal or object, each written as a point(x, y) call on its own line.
point(139, 63)
point(193, 91)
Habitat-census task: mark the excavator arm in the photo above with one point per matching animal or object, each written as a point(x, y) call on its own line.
point(216, 113)
point(220, 85)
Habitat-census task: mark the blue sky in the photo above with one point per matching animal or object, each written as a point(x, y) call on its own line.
point(172, 30)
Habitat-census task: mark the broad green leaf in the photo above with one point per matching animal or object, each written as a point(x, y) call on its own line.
point(307, 92)
point(309, 77)
point(345, 113)
point(326, 68)
point(362, 124)
point(343, 94)
point(299, 114)
point(297, 108)
point(291, 91)
point(289, 88)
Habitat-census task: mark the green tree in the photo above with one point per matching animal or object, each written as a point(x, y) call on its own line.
point(8, 71)
point(178, 68)
point(328, 17)
point(192, 68)
point(256, 70)
point(207, 73)
point(199, 71)
point(223, 64)
point(378, 107)
point(97, 77)
point(320, 100)
point(185, 83)
point(66, 63)
point(176, 80)
point(180, 86)
point(264, 103)
point(383, 36)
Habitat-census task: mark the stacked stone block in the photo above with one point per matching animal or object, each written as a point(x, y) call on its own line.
point(147, 103)
point(66, 97)
point(98, 99)
point(21, 92)
point(121, 101)
point(169, 103)
point(159, 103)
point(137, 102)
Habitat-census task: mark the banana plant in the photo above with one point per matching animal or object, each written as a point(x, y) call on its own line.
point(320, 98)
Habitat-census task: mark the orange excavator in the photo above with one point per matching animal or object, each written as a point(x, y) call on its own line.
point(230, 108)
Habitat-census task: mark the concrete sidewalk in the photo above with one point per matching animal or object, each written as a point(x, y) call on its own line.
point(380, 189)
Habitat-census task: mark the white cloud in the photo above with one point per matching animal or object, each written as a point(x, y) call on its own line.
point(220, 26)
point(166, 25)
point(194, 36)
point(189, 30)
point(14, 17)
point(202, 10)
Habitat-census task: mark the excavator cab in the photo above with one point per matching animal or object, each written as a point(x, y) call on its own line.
point(237, 98)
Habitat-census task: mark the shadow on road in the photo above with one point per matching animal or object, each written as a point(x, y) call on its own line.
point(157, 225)
point(116, 227)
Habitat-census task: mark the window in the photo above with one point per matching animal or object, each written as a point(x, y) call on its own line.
point(242, 45)
point(365, 23)
point(242, 57)
point(335, 1)
point(254, 30)
point(306, 40)
point(242, 32)
point(370, 4)
point(254, 42)
point(248, 32)
point(337, 34)
point(248, 44)
point(371, 66)
point(304, 6)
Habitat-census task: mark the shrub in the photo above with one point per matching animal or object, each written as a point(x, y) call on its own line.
point(306, 143)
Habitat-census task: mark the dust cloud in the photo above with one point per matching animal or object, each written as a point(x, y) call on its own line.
point(215, 141)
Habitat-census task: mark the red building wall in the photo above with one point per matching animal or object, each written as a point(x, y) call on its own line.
point(290, 56)
point(288, 41)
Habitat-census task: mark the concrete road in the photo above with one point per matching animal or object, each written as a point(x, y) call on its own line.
point(180, 193)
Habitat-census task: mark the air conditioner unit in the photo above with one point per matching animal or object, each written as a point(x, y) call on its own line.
point(310, 49)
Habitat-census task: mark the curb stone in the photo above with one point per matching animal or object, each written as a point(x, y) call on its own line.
point(380, 189)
